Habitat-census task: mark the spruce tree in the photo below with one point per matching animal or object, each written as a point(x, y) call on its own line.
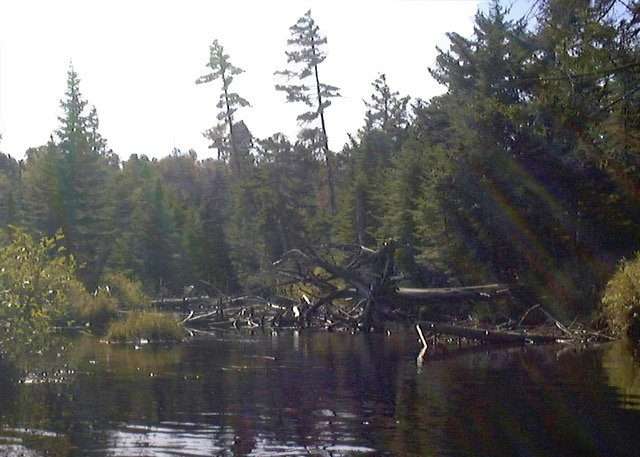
point(227, 229)
point(69, 188)
point(10, 190)
point(386, 110)
point(284, 195)
point(214, 256)
point(154, 245)
point(370, 156)
point(42, 189)
point(126, 195)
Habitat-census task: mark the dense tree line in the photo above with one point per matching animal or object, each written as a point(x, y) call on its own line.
point(524, 171)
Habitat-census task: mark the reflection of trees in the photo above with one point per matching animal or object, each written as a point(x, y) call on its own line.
point(27, 377)
point(238, 397)
point(623, 372)
point(521, 401)
point(284, 394)
point(9, 377)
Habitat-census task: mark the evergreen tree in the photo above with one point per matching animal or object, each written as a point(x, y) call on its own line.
point(83, 182)
point(521, 123)
point(214, 253)
point(10, 191)
point(153, 250)
point(306, 54)
point(524, 170)
point(229, 102)
point(370, 157)
point(402, 199)
point(42, 189)
point(97, 143)
point(284, 195)
point(125, 193)
point(387, 111)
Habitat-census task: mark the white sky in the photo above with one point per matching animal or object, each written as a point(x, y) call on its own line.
point(138, 61)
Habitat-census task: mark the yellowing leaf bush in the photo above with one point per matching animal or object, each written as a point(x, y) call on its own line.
point(35, 277)
point(621, 300)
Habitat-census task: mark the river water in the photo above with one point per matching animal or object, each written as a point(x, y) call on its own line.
point(321, 394)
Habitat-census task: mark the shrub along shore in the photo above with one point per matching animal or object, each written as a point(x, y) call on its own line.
point(40, 292)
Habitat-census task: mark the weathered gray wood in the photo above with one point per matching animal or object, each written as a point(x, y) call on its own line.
point(180, 300)
point(491, 336)
point(483, 292)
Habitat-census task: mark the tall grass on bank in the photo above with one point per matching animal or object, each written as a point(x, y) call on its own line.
point(127, 292)
point(116, 291)
point(96, 310)
point(621, 300)
point(146, 325)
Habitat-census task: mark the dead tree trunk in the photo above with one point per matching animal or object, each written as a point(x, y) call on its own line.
point(359, 286)
point(489, 336)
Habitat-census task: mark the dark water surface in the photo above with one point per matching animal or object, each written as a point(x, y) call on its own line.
point(319, 394)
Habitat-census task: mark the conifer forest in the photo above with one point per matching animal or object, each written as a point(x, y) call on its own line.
point(524, 171)
point(461, 277)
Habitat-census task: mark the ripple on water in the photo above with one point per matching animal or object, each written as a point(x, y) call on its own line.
point(323, 395)
point(164, 441)
point(171, 439)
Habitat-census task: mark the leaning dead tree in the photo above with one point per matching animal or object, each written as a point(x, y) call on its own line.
point(359, 287)
point(332, 286)
point(352, 287)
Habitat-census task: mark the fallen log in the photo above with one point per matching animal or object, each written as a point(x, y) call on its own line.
point(177, 301)
point(361, 285)
point(347, 286)
point(483, 292)
point(489, 336)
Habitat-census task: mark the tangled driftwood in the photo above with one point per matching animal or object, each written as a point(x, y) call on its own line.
point(355, 288)
point(336, 286)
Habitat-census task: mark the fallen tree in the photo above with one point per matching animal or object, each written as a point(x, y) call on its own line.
point(488, 335)
point(335, 286)
point(487, 291)
point(360, 286)
point(349, 287)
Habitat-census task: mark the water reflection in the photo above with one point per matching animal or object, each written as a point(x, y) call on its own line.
point(168, 440)
point(321, 394)
point(623, 373)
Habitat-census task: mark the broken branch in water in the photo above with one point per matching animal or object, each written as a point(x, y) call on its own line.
point(351, 287)
point(334, 286)
point(489, 335)
point(367, 281)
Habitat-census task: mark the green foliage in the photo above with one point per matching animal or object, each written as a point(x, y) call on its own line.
point(306, 52)
point(148, 326)
point(96, 310)
point(387, 111)
point(524, 170)
point(10, 191)
point(65, 182)
point(43, 199)
point(621, 300)
point(229, 102)
point(35, 279)
point(40, 288)
point(125, 292)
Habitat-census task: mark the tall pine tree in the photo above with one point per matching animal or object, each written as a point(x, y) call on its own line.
point(228, 103)
point(306, 54)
